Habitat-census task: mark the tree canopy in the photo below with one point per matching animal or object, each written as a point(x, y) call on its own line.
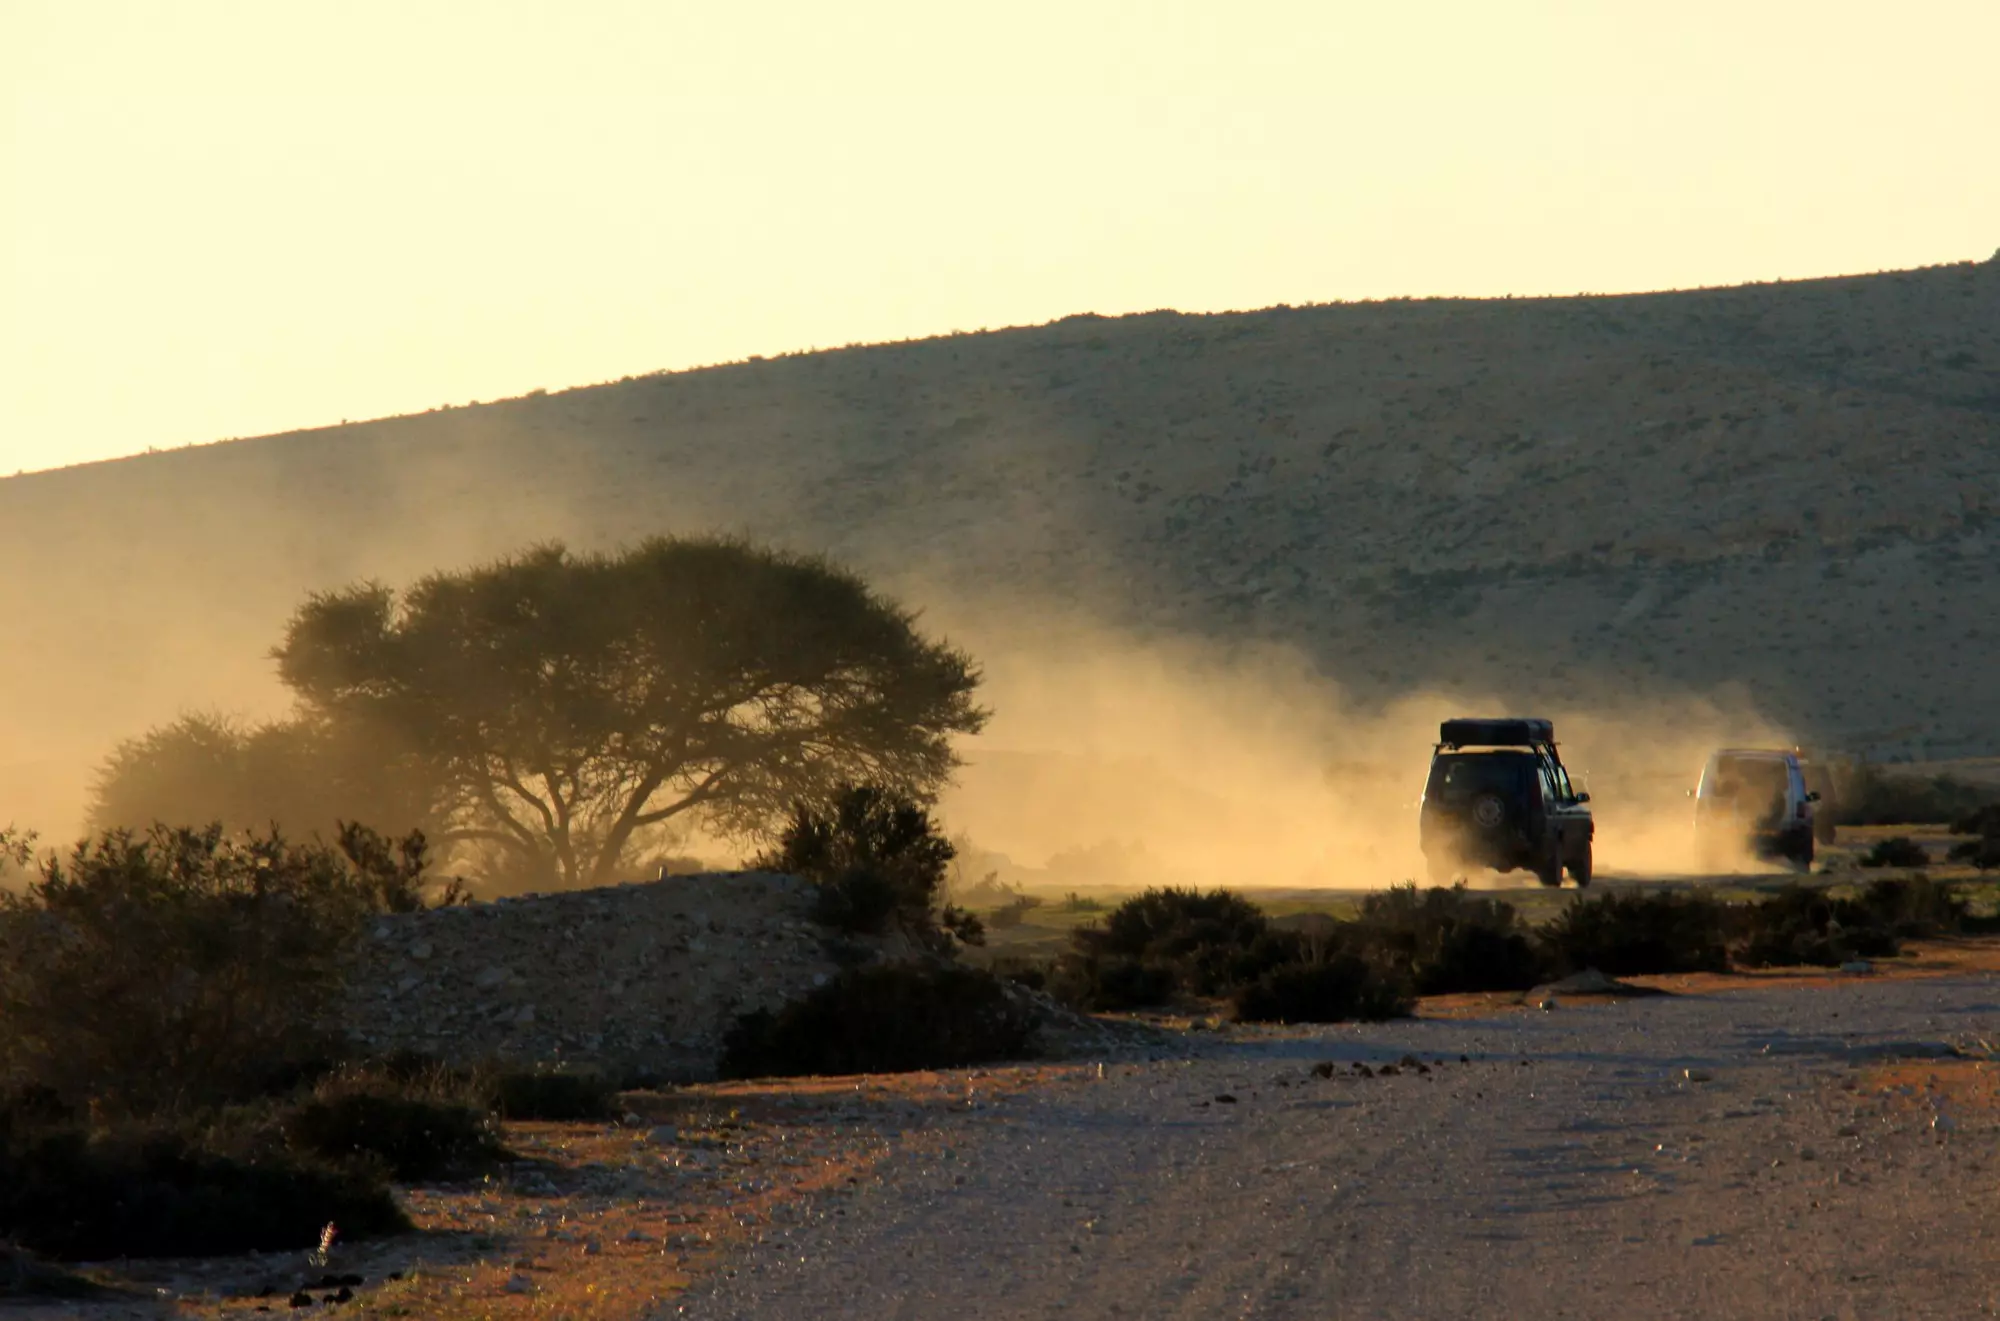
point(563, 705)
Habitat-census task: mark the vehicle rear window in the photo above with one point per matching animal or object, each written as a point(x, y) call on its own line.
point(1454, 777)
point(1748, 779)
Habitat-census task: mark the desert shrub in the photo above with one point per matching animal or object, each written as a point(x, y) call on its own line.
point(883, 1018)
point(1983, 853)
point(879, 864)
point(1339, 989)
point(1805, 926)
point(1896, 851)
point(414, 1137)
point(1624, 935)
point(1013, 912)
point(183, 967)
point(564, 1095)
point(1169, 942)
point(1441, 940)
point(1915, 906)
point(1983, 849)
point(168, 1188)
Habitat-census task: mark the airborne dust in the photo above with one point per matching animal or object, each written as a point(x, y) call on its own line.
point(1113, 759)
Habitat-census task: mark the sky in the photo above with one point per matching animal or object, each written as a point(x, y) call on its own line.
point(226, 219)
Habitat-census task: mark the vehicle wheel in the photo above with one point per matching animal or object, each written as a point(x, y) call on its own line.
point(1579, 867)
point(1549, 871)
point(1489, 812)
point(1802, 853)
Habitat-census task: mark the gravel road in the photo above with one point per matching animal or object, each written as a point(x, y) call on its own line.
point(1569, 1167)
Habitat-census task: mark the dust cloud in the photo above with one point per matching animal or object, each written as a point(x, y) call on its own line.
point(1116, 762)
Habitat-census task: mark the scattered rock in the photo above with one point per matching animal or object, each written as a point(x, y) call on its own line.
point(1857, 967)
point(1698, 1075)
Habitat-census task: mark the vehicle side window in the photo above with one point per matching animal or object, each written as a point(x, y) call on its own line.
point(1563, 787)
point(1548, 784)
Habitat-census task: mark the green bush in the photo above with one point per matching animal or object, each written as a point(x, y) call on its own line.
point(1342, 988)
point(562, 1095)
point(166, 1188)
point(1626, 935)
point(1442, 941)
point(414, 1138)
point(1171, 942)
point(184, 968)
point(879, 864)
point(1804, 926)
point(1896, 851)
point(883, 1018)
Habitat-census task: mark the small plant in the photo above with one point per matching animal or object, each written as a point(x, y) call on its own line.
point(1626, 935)
point(1983, 849)
point(1343, 988)
point(563, 1095)
point(1896, 851)
point(883, 1018)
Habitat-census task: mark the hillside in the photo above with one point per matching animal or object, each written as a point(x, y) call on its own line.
point(1780, 498)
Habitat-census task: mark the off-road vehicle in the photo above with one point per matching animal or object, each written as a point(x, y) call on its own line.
point(1499, 797)
point(1755, 798)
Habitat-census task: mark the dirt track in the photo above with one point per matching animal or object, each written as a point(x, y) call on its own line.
point(1812, 1174)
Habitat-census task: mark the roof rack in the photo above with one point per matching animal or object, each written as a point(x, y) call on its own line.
point(1466, 732)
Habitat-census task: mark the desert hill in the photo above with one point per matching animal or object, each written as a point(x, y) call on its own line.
point(1784, 492)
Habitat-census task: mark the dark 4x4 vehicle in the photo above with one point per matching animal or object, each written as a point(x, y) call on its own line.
point(1499, 797)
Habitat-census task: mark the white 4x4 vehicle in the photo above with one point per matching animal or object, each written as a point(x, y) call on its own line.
point(1755, 798)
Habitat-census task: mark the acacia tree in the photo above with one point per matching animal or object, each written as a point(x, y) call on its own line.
point(567, 703)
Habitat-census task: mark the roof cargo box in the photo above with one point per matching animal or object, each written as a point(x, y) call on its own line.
point(1471, 733)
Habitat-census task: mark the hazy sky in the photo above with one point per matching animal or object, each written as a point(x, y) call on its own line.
point(222, 219)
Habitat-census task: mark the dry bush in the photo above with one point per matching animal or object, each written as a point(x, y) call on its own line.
point(879, 864)
point(1342, 988)
point(1440, 941)
point(1170, 943)
point(175, 1187)
point(182, 967)
point(1625, 935)
point(1805, 926)
point(1896, 851)
point(884, 1018)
